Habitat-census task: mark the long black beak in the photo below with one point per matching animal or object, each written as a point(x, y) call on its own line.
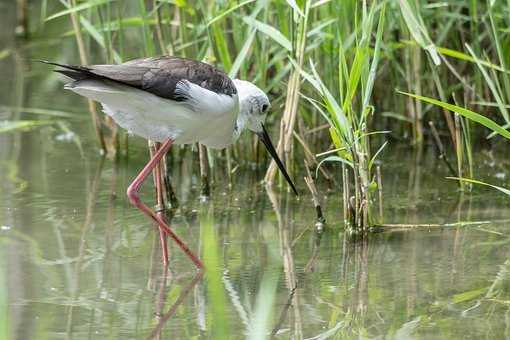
point(264, 137)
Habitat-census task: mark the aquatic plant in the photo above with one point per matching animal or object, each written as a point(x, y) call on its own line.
point(349, 117)
point(78, 259)
point(296, 49)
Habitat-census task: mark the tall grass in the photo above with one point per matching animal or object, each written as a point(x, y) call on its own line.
point(348, 117)
point(332, 69)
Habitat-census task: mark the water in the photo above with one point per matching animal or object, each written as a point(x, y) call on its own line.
point(77, 261)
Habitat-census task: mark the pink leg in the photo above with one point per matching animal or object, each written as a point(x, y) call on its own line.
point(163, 242)
point(160, 208)
point(132, 193)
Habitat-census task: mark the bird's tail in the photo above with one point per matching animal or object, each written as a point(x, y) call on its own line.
point(74, 72)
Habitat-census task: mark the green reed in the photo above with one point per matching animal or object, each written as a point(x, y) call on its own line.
point(349, 115)
point(350, 55)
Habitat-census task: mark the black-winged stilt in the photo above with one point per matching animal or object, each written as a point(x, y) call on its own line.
point(174, 101)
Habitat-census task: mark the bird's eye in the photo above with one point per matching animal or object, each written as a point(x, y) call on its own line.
point(265, 107)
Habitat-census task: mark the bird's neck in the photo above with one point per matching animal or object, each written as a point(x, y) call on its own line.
point(242, 119)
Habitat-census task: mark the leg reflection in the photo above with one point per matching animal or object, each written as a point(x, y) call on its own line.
point(163, 318)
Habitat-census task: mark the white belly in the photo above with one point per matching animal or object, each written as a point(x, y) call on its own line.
point(215, 133)
point(209, 118)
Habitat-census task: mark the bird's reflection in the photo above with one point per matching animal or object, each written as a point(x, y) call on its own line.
point(291, 280)
point(160, 280)
point(161, 316)
point(92, 191)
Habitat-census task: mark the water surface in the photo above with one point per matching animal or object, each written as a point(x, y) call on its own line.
point(77, 261)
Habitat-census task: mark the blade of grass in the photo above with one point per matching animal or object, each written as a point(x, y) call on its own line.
point(270, 32)
point(44, 112)
point(295, 7)
point(86, 5)
point(418, 30)
point(491, 84)
point(375, 59)
point(22, 125)
point(228, 11)
point(476, 117)
point(474, 181)
point(243, 54)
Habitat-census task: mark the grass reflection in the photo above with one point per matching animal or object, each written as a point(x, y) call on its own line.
point(217, 315)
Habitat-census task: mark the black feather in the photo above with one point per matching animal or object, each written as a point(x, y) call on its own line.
point(75, 75)
point(158, 76)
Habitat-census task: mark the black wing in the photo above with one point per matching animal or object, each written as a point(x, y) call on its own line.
point(158, 75)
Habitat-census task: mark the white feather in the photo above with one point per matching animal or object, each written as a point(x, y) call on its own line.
point(251, 101)
point(206, 117)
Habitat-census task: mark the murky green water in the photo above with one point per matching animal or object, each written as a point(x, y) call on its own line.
point(78, 262)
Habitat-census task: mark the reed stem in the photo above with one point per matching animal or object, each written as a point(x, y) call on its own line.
point(204, 170)
point(96, 121)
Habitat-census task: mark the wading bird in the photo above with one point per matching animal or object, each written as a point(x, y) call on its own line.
point(174, 101)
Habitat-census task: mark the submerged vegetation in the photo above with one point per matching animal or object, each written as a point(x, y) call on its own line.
point(334, 69)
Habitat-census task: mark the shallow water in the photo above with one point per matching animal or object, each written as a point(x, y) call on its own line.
point(78, 262)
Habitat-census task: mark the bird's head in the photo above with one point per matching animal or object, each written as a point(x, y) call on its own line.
point(254, 106)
